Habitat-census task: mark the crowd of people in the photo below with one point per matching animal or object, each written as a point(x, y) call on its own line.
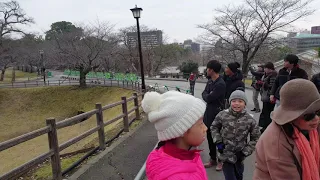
point(285, 140)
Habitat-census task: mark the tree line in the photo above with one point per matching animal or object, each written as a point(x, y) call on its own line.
point(241, 33)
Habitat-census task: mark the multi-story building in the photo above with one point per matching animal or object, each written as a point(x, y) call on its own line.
point(149, 39)
point(315, 30)
point(304, 42)
point(188, 44)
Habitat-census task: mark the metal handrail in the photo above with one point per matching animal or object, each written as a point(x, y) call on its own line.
point(142, 172)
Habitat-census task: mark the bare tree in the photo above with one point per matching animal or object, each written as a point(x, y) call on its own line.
point(245, 28)
point(84, 50)
point(11, 16)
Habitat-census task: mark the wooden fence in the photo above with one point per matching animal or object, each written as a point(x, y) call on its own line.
point(55, 148)
point(67, 82)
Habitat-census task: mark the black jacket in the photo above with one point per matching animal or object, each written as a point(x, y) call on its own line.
point(256, 76)
point(213, 95)
point(232, 83)
point(284, 76)
point(316, 80)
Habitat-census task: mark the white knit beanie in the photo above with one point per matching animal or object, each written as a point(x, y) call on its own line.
point(172, 113)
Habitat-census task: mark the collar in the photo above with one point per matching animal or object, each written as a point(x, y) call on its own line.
point(182, 154)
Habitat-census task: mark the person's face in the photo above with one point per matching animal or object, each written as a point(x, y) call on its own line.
point(228, 71)
point(260, 69)
point(287, 65)
point(209, 72)
point(196, 134)
point(308, 122)
point(267, 70)
point(238, 105)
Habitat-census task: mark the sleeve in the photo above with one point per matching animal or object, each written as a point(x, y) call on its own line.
point(275, 86)
point(216, 93)
point(215, 129)
point(256, 73)
point(254, 137)
point(205, 93)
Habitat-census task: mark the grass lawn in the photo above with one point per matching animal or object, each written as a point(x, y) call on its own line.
point(20, 76)
point(24, 110)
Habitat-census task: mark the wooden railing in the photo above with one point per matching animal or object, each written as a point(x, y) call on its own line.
point(70, 81)
point(55, 148)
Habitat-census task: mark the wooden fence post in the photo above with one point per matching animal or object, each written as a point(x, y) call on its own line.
point(99, 116)
point(125, 112)
point(37, 83)
point(123, 83)
point(136, 104)
point(59, 82)
point(54, 145)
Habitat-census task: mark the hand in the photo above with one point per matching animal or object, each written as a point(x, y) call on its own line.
point(220, 147)
point(240, 156)
point(272, 100)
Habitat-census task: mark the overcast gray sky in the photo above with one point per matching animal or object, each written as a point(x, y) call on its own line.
point(177, 18)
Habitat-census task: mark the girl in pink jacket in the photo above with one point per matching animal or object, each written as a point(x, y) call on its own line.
point(178, 119)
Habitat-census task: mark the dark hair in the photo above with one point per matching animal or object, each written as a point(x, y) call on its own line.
point(160, 144)
point(214, 65)
point(269, 65)
point(292, 59)
point(241, 89)
point(288, 129)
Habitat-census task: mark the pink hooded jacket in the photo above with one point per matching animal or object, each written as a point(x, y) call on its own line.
point(161, 166)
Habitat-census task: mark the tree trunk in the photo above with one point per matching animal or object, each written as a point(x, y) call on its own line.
point(82, 77)
point(31, 69)
point(2, 74)
point(13, 79)
point(245, 64)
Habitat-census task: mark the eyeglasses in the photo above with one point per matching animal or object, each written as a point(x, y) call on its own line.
point(311, 116)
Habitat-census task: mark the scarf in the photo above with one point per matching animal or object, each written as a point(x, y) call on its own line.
point(309, 151)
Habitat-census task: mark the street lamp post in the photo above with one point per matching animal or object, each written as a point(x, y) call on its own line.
point(42, 66)
point(136, 14)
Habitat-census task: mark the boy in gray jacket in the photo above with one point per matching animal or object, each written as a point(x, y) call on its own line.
point(230, 131)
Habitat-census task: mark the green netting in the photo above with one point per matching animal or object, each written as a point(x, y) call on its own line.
point(106, 75)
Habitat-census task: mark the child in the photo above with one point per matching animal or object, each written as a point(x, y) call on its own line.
point(230, 131)
point(178, 119)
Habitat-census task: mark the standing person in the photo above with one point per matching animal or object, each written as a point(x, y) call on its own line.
point(213, 95)
point(268, 106)
point(233, 78)
point(178, 119)
point(289, 147)
point(316, 80)
point(230, 131)
point(290, 71)
point(256, 84)
point(192, 81)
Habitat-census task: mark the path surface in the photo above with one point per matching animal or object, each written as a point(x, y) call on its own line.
point(125, 161)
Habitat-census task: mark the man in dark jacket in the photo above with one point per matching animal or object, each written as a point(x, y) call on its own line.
point(290, 71)
point(233, 78)
point(214, 96)
point(256, 84)
point(316, 80)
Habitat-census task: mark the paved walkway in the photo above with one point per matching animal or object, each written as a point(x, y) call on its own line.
point(125, 160)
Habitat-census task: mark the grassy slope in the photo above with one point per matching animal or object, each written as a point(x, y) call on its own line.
point(24, 110)
point(20, 76)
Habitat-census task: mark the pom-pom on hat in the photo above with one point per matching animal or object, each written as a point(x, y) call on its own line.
point(172, 113)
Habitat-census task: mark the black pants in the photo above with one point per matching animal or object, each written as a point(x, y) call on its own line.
point(265, 118)
point(233, 171)
point(212, 146)
point(192, 89)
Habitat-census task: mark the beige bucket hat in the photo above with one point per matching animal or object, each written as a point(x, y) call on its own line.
point(298, 97)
